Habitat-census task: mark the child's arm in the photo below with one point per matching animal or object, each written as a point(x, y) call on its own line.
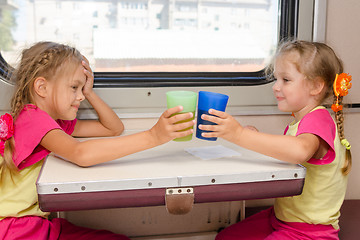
point(109, 124)
point(95, 151)
point(287, 148)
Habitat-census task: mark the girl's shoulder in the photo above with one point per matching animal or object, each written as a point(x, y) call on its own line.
point(33, 111)
point(319, 115)
point(32, 118)
point(319, 118)
point(319, 122)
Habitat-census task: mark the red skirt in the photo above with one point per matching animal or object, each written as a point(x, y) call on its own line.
point(265, 226)
point(33, 227)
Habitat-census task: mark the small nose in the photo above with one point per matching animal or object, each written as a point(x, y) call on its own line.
point(80, 96)
point(276, 86)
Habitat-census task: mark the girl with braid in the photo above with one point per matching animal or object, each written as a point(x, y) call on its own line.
point(51, 81)
point(306, 73)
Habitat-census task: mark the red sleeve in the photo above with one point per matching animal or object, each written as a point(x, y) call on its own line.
point(321, 124)
point(31, 126)
point(67, 125)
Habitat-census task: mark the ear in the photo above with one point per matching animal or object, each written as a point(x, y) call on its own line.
point(318, 86)
point(40, 86)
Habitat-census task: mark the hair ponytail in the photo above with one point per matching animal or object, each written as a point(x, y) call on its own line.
point(339, 118)
point(7, 165)
point(6, 145)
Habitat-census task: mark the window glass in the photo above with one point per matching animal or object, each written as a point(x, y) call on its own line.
point(148, 35)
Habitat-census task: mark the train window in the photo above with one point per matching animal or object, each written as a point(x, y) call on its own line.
point(157, 43)
point(139, 49)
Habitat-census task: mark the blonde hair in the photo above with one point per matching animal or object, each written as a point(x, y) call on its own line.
point(43, 59)
point(317, 60)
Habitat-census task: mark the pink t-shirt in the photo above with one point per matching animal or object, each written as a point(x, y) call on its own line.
point(31, 126)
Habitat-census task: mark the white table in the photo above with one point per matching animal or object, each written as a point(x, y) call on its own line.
point(142, 179)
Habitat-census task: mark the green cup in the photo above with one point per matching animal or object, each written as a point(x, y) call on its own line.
point(187, 99)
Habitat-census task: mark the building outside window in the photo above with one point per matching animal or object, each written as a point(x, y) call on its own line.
point(150, 36)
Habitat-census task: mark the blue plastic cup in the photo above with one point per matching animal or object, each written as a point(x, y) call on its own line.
point(206, 101)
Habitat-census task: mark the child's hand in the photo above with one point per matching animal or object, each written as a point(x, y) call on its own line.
point(166, 129)
point(88, 88)
point(227, 127)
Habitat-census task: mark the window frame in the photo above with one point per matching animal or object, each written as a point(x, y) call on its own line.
point(5, 69)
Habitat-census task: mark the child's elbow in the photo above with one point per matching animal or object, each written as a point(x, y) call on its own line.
point(299, 160)
point(81, 158)
point(118, 131)
point(302, 156)
point(81, 162)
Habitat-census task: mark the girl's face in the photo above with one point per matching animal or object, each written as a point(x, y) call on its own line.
point(68, 94)
point(291, 89)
